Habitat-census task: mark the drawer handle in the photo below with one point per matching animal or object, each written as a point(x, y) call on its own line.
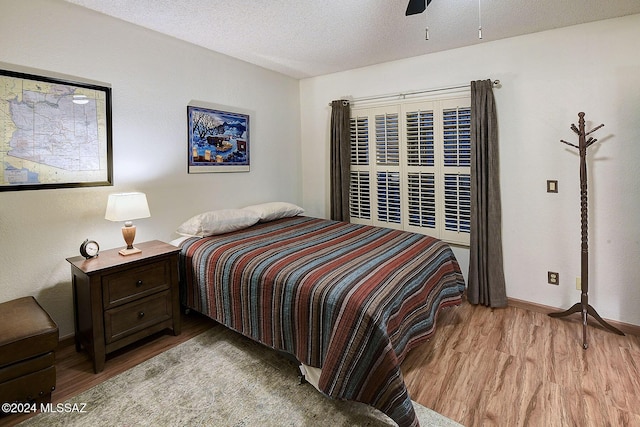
point(139, 283)
point(141, 315)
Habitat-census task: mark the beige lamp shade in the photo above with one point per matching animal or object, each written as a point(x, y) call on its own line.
point(127, 207)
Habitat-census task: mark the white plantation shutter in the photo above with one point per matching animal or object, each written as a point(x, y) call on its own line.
point(421, 185)
point(420, 138)
point(360, 195)
point(389, 200)
point(360, 141)
point(387, 139)
point(420, 131)
point(456, 165)
point(387, 203)
point(360, 186)
point(457, 207)
point(456, 123)
point(388, 206)
point(419, 177)
point(421, 200)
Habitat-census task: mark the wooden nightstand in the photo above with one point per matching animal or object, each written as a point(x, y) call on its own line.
point(119, 299)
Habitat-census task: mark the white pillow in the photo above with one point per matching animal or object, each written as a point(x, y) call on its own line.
point(218, 222)
point(275, 210)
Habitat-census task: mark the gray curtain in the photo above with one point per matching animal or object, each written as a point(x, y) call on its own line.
point(340, 159)
point(486, 274)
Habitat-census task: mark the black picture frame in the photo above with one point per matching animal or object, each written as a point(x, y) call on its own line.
point(54, 133)
point(218, 139)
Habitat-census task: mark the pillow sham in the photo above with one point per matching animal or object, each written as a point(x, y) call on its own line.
point(217, 222)
point(275, 210)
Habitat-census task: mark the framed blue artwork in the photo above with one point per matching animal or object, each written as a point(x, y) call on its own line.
point(218, 140)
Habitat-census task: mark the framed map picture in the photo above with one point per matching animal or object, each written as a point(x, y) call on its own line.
point(218, 140)
point(53, 133)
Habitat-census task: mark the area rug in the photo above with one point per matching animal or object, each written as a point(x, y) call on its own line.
point(218, 378)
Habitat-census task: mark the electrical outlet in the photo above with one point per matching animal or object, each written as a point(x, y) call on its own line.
point(578, 283)
point(553, 278)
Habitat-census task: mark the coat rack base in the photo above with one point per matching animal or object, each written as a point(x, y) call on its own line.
point(586, 310)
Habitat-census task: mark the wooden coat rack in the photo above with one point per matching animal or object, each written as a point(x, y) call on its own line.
point(583, 306)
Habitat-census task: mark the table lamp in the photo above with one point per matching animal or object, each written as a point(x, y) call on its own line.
point(127, 207)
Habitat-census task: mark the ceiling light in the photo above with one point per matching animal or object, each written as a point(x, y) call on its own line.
point(479, 20)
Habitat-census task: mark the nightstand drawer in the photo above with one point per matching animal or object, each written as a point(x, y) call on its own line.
point(128, 319)
point(121, 288)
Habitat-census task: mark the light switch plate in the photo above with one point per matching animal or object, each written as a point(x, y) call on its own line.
point(552, 186)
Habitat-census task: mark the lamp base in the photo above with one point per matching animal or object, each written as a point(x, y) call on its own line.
point(131, 251)
point(129, 234)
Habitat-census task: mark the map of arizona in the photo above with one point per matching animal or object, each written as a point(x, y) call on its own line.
point(51, 133)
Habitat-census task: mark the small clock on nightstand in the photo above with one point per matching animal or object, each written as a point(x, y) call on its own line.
point(89, 249)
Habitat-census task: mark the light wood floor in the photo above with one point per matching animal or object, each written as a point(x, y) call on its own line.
point(515, 367)
point(503, 367)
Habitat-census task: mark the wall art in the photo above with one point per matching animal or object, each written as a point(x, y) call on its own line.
point(54, 133)
point(218, 140)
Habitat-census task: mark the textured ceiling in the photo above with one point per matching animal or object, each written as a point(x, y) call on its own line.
point(305, 38)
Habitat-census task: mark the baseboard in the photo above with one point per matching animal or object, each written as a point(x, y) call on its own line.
point(627, 328)
point(66, 341)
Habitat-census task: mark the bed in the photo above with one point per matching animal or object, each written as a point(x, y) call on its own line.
point(350, 300)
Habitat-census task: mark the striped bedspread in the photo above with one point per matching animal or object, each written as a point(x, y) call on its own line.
point(347, 298)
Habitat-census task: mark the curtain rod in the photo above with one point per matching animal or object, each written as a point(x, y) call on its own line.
point(416, 92)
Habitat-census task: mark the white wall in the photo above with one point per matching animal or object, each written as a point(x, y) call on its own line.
point(547, 78)
point(153, 78)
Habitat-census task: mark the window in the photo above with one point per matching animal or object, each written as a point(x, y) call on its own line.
point(419, 175)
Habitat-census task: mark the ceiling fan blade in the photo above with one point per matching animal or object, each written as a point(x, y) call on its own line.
point(416, 6)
